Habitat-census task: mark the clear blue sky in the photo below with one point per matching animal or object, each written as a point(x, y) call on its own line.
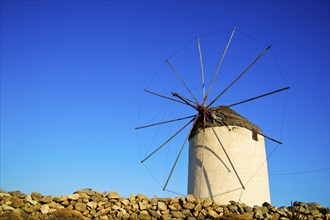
point(73, 74)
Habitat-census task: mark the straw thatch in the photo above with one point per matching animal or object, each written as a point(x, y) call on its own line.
point(224, 116)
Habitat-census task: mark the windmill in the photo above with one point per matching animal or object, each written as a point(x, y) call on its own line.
point(227, 156)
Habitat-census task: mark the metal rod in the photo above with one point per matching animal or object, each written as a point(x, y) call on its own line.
point(177, 158)
point(164, 96)
point(272, 139)
point(183, 99)
point(168, 140)
point(219, 64)
point(164, 122)
point(202, 67)
point(231, 163)
point(260, 96)
point(255, 60)
point(185, 85)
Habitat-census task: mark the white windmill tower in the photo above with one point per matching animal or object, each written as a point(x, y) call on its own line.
point(227, 156)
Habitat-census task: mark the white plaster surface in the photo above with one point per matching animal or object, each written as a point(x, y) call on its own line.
point(218, 180)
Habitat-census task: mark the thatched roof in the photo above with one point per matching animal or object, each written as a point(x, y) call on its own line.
point(224, 116)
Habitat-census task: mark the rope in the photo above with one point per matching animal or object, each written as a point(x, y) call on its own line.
point(181, 48)
point(278, 66)
point(158, 127)
point(216, 32)
point(301, 172)
point(253, 38)
point(156, 74)
point(153, 176)
point(180, 194)
point(281, 133)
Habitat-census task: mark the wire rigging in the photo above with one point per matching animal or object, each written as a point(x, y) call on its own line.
point(189, 102)
point(300, 172)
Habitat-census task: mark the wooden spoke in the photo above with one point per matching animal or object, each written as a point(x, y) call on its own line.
point(219, 64)
point(223, 148)
point(183, 99)
point(260, 96)
point(168, 140)
point(181, 80)
point(177, 158)
point(165, 97)
point(164, 122)
point(202, 67)
point(255, 60)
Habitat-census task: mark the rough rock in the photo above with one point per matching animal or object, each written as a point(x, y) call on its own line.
point(88, 204)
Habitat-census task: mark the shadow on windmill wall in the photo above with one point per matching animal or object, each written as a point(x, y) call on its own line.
point(205, 177)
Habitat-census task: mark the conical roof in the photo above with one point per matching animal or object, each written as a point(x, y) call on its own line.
point(224, 116)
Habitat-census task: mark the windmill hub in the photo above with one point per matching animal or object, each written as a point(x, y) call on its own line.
point(203, 110)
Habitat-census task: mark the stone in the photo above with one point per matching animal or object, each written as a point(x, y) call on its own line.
point(141, 197)
point(167, 211)
point(125, 202)
point(81, 207)
point(2, 195)
point(74, 196)
point(92, 205)
point(134, 215)
point(60, 199)
point(9, 215)
point(155, 214)
point(276, 216)
point(55, 205)
point(198, 207)
point(142, 205)
point(191, 198)
point(115, 207)
point(266, 204)
point(166, 216)
point(213, 214)
point(113, 195)
point(102, 212)
point(126, 216)
point(232, 208)
point(96, 197)
point(135, 207)
point(207, 202)
point(161, 206)
point(187, 213)
point(233, 202)
point(282, 212)
point(46, 199)
point(258, 214)
point(189, 205)
point(36, 196)
point(248, 215)
point(7, 207)
point(132, 197)
point(154, 200)
point(144, 215)
point(16, 202)
point(44, 209)
point(175, 206)
point(248, 209)
point(177, 214)
point(219, 209)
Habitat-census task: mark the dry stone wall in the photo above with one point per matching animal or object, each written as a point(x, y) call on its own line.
point(89, 204)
